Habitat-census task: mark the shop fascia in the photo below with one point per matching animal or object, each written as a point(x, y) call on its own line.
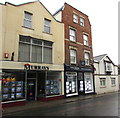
point(82, 69)
point(34, 67)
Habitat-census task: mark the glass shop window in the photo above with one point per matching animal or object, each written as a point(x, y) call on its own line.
point(49, 84)
point(13, 86)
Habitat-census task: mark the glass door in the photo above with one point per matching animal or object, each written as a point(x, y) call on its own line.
point(31, 89)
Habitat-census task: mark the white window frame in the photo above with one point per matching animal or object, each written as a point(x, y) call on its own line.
point(87, 60)
point(85, 38)
point(73, 56)
point(75, 18)
point(43, 45)
point(72, 34)
point(82, 22)
point(47, 26)
point(113, 81)
point(108, 66)
point(28, 20)
point(102, 82)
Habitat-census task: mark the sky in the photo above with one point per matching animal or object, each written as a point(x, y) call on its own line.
point(103, 16)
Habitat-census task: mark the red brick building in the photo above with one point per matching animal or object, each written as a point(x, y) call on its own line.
point(79, 77)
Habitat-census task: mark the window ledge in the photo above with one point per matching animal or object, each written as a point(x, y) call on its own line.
point(113, 86)
point(73, 63)
point(28, 28)
point(87, 46)
point(73, 41)
point(102, 86)
point(47, 33)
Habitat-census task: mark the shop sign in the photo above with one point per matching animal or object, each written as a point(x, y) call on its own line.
point(86, 69)
point(72, 68)
point(32, 67)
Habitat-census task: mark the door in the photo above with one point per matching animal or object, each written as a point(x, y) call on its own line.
point(80, 83)
point(31, 85)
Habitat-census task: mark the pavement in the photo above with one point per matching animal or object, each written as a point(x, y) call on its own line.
point(37, 104)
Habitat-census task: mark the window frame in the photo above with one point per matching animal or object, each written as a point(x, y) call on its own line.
point(108, 64)
point(75, 18)
point(28, 20)
point(72, 36)
point(86, 41)
point(73, 56)
point(82, 21)
point(102, 82)
point(47, 26)
point(113, 83)
point(87, 59)
point(42, 45)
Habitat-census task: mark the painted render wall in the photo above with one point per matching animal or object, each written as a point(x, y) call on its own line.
point(13, 25)
point(100, 73)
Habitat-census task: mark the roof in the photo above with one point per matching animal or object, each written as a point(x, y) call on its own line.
point(70, 6)
point(58, 10)
point(31, 3)
point(100, 57)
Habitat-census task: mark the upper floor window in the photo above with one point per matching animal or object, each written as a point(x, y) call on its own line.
point(108, 66)
point(87, 58)
point(27, 20)
point(72, 35)
point(85, 38)
point(34, 50)
point(75, 18)
point(47, 25)
point(72, 56)
point(82, 21)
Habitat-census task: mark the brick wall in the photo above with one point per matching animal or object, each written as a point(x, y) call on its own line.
point(67, 19)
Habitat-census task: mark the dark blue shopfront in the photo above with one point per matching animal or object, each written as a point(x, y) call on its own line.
point(79, 80)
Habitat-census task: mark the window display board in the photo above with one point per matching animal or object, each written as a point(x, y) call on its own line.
point(11, 89)
point(71, 83)
point(52, 87)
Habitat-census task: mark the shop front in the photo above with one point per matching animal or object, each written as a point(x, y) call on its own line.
point(78, 80)
point(13, 86)
point(30, 84)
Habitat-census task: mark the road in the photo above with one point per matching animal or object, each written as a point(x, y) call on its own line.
point(100, 106)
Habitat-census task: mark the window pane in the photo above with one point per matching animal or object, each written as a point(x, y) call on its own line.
point(47, 26)
point(47, 55)
point(72, 35)
point(87, 58)
point(28, 20)
point(85, 37)
point(48, 43)
point(36, 54)
point(47, 22)
point(27, 23)
point(46, 29)
point(37, 41)
point(75, 18)
point(24, 52)
point(28, 16)
point(73, 56)
point(82, 21)
point(25, 39)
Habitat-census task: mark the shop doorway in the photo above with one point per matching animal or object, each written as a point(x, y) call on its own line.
point(31, 89)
